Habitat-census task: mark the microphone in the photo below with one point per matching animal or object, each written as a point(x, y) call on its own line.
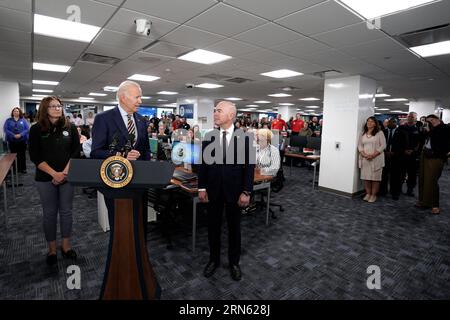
point(129, 145)
point(113, 147)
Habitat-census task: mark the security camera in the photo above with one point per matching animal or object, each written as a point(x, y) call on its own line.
point(143, 27)
point(190, 85)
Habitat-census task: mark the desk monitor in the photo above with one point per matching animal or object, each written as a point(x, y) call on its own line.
point(314, 143)
point(298, 141)
point(153, 146)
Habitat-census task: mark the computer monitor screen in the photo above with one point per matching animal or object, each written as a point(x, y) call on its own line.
point(298, 142)
point(314, 143)
point(153, 145)
point(183, 152)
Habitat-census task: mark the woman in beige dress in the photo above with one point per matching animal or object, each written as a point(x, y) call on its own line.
point(371, 147)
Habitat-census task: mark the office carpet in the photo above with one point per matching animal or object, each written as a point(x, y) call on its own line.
point(319, 248)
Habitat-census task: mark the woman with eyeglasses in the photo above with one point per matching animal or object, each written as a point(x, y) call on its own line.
point(53, 142)
point(16, 131)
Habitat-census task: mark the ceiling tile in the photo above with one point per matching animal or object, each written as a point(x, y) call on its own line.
point(191, 37)
point(111, 2)
point(298, 65)
point(15, 36)
point(225, 20)
point(47, 75)
point(121, 40)
point(349, 35)
point(13, 19)
point(264, 56)
point(21, 5)
point(323, 17)
point(123, 21)
point(93, 13)
point(377, 50)
point(57, 51)
point(84, 71)
point(268, 35)
point(300, 47)
point(150, 60)
point(110, 51)
point(232, 48)
point(267, 9)
point(174, 10)
point(168, 49)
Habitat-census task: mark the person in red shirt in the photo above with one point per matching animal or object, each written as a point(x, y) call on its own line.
point(297, 124)
point(176, 123)
point(279, 124)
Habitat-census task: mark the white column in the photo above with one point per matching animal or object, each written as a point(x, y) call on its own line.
point(203, 111)
point(9, 92)
point(348, 102)
point(287, 112)
point(423, 107)
point(446, 116)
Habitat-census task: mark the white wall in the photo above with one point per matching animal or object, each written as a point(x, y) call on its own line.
point(423, 107)
point(9, 93)
point(203, 108)
point(446, 115)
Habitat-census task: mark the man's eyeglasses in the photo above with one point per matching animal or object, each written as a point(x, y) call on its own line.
point(55, 107)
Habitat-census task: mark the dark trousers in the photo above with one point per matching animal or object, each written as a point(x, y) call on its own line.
point(233, 215)
point(430, 172)
point(410, 169)
point(19, 147)
point(392, 175)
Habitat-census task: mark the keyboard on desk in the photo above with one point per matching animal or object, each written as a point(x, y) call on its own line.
point(184, 176)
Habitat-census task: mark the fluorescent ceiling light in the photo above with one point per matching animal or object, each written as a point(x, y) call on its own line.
point(145, 98)
point(286, 104)
point(204, 56)
point(280, 95)
point(98, 94)
point(167, 92)
point(49, 83)
point(261, 101)
point(209, 86)
point(233, 99)
point(162, 100)
point(383, 109)
point(143, 77)
point(309, 99)
point(252, 105)
point(370, 9)
point(336, 85)
point(39, 95)
point(85, 98)
point(312, 107)
point(433, 49)
point(382, 95)
point(283, 73)
point(64, 29)
point(366, 96)
point(396, 99)
point(42, 90)
point(110, 88)
point(50, 67)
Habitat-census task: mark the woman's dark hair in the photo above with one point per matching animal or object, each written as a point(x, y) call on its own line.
point(43, 120)
point(20, 112)
point(375, 129)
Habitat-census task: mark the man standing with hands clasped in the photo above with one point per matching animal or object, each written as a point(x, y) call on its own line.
point(225, 183)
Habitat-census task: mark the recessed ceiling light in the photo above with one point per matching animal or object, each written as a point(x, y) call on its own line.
point(396, 99)
point(286, 104)
point(251, 105)
point(280, 95)
point(204, 56)
point(233, 99)
point(383, 109)
point(85, 98)
point(45, 82)
point(50, 67)
point(309, 99)
point(39, 95)
point(370, 9)
point(143, 77)
point(433, 49)
point(209, 86)
point(261, 101)
point(42, 90)
point(283, 73)
point(145, 98)
point(110, 88)
point(312, 107)
point(382, 95)
point(64, 29)
point(98, 94)
point(162, 100)
point(168, 92)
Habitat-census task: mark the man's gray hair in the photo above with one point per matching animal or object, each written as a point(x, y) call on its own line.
point(123, 87)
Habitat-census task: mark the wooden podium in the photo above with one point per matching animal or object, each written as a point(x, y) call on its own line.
point(128, 273)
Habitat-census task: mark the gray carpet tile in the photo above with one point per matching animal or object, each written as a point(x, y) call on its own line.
point(318, 248)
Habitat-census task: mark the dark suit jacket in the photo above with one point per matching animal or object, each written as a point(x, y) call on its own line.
point(399, 141)
point(106, 124)
point(228, 180)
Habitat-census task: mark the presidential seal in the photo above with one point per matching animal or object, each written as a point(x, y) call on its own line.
point(116, 172)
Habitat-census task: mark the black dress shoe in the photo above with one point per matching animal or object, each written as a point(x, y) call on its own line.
point(210, 269)
point(69, 254)
point(51, 259)
point(236, 273)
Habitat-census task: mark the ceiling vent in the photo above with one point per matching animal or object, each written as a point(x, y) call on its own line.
point(215, 76)
point(238, 80)
point(425, 36)
point(96, 58)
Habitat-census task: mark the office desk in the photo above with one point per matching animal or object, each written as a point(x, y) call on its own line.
point(313, 158)
point(260, 182)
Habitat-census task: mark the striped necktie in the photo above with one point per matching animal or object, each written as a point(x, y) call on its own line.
point(130, 127)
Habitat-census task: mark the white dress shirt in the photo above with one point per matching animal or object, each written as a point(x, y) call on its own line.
point(229, 131)
point(124, 115)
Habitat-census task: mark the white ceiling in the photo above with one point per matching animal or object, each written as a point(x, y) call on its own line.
point(308, 36)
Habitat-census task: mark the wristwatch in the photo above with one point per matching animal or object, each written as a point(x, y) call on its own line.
point(246, 193)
